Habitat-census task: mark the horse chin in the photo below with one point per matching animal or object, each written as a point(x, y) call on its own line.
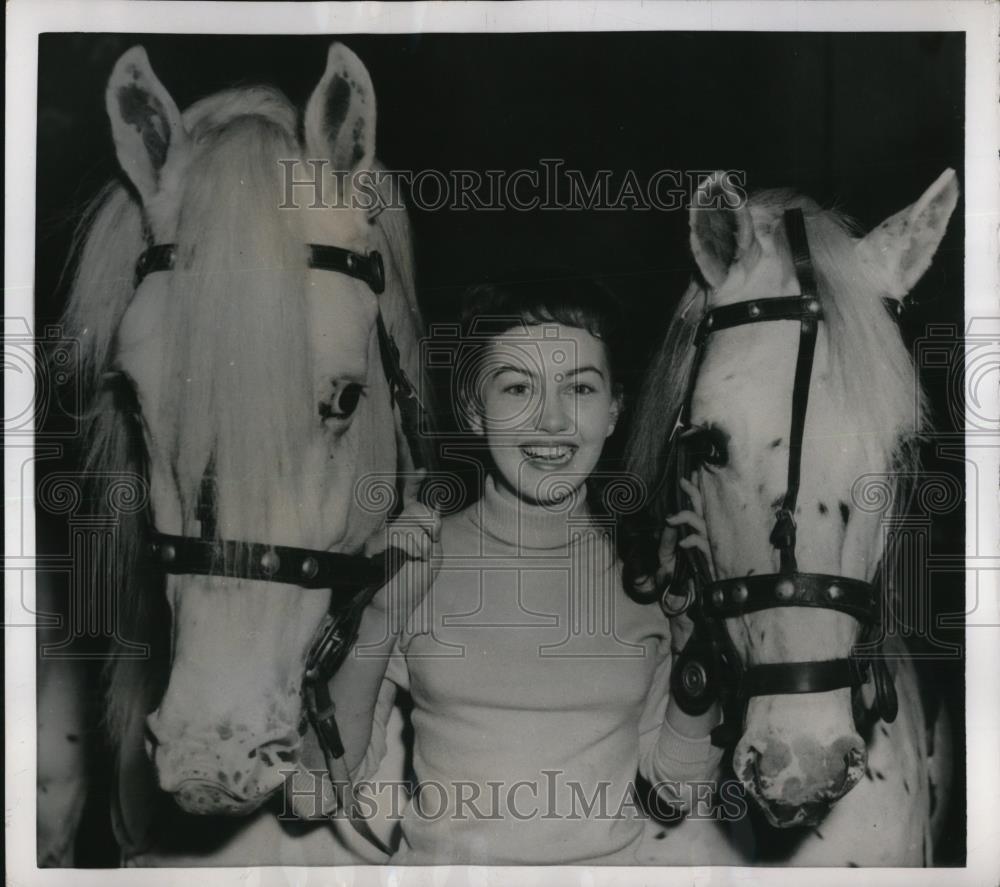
point(785, 816)
point(780, 814)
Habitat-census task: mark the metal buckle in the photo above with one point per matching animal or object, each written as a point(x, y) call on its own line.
point(332, 640)
point(671, 610)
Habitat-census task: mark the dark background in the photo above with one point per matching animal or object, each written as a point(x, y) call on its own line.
point(864, 122)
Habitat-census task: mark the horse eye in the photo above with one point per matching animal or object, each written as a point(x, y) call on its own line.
point(342, 403)
point(715, 452)
point(708, 446)
point(349, 397)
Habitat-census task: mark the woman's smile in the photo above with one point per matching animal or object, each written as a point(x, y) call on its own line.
point(547, 456)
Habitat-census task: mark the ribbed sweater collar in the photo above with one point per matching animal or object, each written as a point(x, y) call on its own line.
point(529, 527)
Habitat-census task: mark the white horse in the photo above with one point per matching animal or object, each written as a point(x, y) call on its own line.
point(241, 361)
point(843, 794)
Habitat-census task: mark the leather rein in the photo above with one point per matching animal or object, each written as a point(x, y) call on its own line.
point(352, 579)
point(709, 668)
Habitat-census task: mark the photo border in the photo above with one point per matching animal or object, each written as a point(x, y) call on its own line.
point(980, 21)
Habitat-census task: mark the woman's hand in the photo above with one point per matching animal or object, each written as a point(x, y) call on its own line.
point(415, 530)
point(697, 538)
point(681, 626)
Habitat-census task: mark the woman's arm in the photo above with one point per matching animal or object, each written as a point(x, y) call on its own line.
point(675, 749)
point(355, 686)
point(676, 745)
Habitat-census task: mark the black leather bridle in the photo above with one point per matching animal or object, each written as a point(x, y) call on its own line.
point(709, 668)
point(352, 579)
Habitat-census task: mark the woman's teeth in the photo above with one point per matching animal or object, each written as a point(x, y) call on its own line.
point(548, 454)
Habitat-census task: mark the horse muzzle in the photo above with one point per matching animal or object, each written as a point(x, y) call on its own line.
point(232, 776)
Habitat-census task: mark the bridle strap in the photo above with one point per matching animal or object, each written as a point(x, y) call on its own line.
point(322, 716)
point(726, 598)
point(754, 311)
point(345, 574)
point(798, 242)
point(368, 268)
point(779, 678)
point(783, 534)
point(402, 393)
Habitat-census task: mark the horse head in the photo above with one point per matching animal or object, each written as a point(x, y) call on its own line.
point(793, 329)
point(253, 372)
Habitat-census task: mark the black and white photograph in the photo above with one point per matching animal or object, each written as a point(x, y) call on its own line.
point(476, 435)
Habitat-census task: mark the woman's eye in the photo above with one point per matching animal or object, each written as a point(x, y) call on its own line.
point(516, 388)
point(583, 388)
point(342, 402)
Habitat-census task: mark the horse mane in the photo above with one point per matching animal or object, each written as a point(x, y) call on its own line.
point(239, 257)
point(864, 345)
point(660, 398)
point(107, 241)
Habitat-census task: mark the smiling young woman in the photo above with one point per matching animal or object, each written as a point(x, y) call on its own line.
point(540, 689)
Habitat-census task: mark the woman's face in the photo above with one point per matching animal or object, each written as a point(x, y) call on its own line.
point(546, 406)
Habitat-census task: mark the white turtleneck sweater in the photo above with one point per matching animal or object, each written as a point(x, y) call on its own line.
point(539, 689)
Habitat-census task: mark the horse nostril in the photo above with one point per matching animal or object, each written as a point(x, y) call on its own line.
point(851, 748)
point(269, 764)
point(284, 750)
point(747, 767)
point(855, 756)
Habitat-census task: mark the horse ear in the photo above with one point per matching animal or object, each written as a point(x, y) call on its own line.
point(904, 244)
point(720, 225)
point(340, 115)
point(145, 122)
